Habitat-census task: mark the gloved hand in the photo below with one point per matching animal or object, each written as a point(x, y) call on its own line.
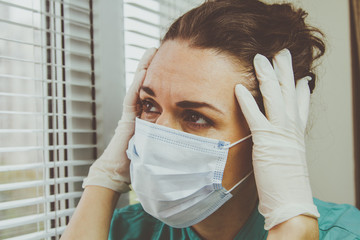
point(279, 158)
point(111, 170)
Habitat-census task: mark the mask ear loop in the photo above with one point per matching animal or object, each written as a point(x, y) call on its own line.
point(242, 180)
point(233, 144)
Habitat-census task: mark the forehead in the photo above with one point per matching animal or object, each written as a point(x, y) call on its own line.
point(186, 72)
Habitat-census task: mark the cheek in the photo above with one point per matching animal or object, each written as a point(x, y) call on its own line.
point(239, 163)
point(236, 126)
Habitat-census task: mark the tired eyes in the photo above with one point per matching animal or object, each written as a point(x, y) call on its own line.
point(193, 119)
point(149, 107)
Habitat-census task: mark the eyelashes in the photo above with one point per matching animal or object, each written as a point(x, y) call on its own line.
point(150, 111)
point(148, 106)
point(197, 120)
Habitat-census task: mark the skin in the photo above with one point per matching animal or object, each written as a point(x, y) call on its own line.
point(180, 73)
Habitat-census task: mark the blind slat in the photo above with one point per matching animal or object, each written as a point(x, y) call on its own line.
point(16, 222)
point(157, 12)
point(73, 83)
point(143, 34)
point(81, 39)
point(48, 114)
point(46, 131)
point(40, 235)
point(73, 6)
point(38, 183)
point(31, 148)
point(38, 200)
point(89, 100)
point(145, 22)
point(72, 21)
point(69, 163)
point(136, 45)
point(76, 53)
point(71, 68)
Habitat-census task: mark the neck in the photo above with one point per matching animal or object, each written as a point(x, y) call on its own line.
point(226, 222)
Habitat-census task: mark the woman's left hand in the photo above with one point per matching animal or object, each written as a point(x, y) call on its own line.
point(279, 158)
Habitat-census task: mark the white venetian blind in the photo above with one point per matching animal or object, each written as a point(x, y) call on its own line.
point(47, 114)
point(145, 23)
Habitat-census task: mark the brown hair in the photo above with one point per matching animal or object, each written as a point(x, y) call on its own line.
point(243, 28)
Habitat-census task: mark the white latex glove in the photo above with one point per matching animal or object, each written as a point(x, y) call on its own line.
point(279, 158)
point(111, 170)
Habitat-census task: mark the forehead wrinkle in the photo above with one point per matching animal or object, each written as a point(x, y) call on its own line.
point(179, 72)
point(173, 90)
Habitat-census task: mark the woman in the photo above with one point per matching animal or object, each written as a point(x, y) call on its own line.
point(215, 116)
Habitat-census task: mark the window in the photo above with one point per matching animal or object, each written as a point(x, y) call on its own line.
point(52, 126)
point(145, 22)
point(47, 114)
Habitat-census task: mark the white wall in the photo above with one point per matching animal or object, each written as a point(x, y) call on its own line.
point(330, 142)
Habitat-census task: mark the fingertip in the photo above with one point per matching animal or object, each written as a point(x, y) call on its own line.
point(260, 59)
point(283, 56)
point(308, 78)
point(303, 83)
point(138, 79)
point(263, 68)
point(241, 91)
point(302, 89)
point(284, 51)
point(257, 56)
point(239, 88)
point(146, 58)
point(151, 51)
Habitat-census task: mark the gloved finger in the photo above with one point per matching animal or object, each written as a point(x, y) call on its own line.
point(284, 71)
point(303, 99)
point(133, 92)
point(146, 59)
point(130, 100)
point(270, 90)
point(142, 66)
point(249, 108)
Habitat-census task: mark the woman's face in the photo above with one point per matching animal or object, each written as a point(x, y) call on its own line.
point(192, 90)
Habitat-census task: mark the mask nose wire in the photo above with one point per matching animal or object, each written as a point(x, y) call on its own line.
point(233, 144)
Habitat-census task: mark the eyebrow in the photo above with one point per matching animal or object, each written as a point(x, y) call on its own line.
point(184, 104)
point(190, 104)
point(148, 91)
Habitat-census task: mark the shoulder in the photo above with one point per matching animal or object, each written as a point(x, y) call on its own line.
point(132, 222)
point(338, 221)
point(129, 212)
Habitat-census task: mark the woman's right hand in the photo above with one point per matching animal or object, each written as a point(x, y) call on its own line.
point(111, 170)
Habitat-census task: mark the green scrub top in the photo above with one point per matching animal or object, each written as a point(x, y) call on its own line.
point(337, 221)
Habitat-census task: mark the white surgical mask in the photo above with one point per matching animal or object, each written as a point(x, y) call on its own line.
point(177, 176)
